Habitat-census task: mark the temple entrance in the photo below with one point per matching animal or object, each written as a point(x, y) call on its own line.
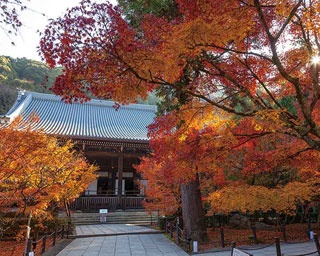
point(102, 186)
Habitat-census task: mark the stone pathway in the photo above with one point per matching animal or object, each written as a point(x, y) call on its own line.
point(123, 245)
point(112, 229)
point(120, 240)
point(127, 240)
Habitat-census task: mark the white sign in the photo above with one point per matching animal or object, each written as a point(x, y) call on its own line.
point(103, 210)
point(237, 252)
point(195, 246)
point(311, 235)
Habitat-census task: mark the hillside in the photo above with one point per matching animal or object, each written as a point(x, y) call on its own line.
point(22, 73)
point(31, 75)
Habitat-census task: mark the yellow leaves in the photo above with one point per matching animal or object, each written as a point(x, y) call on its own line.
point(268, 120)
point(246, 198)
point(215, 26)
point(199, 115)
point(258, 127)
point(36, 170)
point(284, 7)
point(311, 18)
point(269, 114)
point(240, 198)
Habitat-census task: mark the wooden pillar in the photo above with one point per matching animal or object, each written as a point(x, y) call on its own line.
point(120, 177)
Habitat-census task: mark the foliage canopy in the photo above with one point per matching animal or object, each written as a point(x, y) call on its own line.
point(37, 174)
point(240, 90)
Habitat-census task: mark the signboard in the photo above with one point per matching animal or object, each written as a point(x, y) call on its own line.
point(237, 252)
point(103, 215)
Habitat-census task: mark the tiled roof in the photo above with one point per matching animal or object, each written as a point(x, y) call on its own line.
point(96, 119)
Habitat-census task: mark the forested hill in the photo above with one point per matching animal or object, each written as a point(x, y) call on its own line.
point(30, 75)
point(22, 73)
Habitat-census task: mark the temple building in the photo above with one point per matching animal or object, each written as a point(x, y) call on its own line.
point(113, 139)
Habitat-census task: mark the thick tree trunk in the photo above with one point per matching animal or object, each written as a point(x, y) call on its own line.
point(192, 211)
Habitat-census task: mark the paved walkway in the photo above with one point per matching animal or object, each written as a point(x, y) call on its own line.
point(112, 229)
point(126, 240)
point(120, 240)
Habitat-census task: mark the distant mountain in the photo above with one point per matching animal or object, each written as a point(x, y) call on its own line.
point(25, 74)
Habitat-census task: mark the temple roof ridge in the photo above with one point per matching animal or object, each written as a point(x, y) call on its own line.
point(93, 119)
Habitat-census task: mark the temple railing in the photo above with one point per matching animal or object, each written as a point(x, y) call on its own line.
point(95, 203)
point(112, 193)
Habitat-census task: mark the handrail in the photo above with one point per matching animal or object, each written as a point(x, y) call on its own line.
point(92, 192)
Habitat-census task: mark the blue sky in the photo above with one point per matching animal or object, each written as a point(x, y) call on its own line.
point(27, 40)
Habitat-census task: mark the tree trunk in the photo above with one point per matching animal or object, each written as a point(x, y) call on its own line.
point(192, 211)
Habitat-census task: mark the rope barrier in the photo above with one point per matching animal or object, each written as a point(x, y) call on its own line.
point(255, 248)
point(38, 241)
point(43, 241)
point(310, 253)
point(181, 238)
point(298, 242)
point(50, 235)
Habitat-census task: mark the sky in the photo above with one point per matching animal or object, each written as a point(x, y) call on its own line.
point(32, 19)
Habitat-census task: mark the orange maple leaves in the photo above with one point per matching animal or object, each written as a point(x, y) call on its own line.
point(37, 172)
point(249, 59)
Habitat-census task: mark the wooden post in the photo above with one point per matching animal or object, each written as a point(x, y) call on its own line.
point(34, 246)
point(120, 177)
point(179, 235)
point(284, 234)
point(62, 232)
point(124, 199)
point(166, 225)
point(233, 245)
point(186, 241)
point(28, 247)
point(177, 230)
point(222, 237)
point(309, 226)
point(254, 232)
point(316, 241)
point(44, 241)
point(54, 236)
point(68, 229)
point(213, 222)
point(278, 248)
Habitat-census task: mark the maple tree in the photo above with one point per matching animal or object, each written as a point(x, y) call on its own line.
point(37, 172)
point(9, 16)
point(251, 64)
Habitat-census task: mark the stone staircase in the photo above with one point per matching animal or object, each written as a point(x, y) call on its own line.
point(138, 217)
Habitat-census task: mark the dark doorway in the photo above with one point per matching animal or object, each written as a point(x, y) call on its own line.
point(131, 187)
point(102, 186)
